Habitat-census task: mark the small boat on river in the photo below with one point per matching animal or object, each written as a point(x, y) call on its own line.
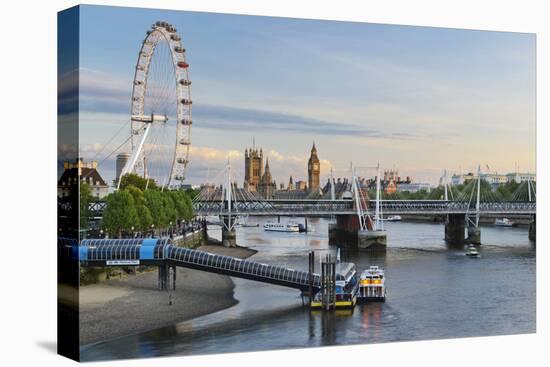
point(471, 251)
point(282, 227)
point(503, 222)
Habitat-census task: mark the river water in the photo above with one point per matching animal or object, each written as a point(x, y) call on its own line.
point(433, 291)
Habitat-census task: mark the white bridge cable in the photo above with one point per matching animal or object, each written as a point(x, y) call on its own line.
point(110, 154)
point(104, 146)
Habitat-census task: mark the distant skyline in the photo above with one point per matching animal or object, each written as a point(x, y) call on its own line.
point(419, 99)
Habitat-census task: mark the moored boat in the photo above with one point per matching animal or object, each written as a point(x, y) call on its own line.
point(372, 285)
point(345, 289)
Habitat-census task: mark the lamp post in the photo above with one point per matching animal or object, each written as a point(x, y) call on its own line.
point(152, 230)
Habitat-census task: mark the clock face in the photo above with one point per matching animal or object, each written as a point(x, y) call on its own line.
point(315, 166)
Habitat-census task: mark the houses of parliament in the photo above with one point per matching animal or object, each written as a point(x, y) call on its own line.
point(258, 178)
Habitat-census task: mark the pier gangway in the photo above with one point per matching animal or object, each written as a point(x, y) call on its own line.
point(161, 252)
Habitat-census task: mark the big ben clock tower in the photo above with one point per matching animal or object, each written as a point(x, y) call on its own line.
point(313, 170)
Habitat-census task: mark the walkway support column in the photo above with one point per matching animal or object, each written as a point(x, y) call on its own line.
point(229, 235)
point(454, 228)
point(174, 270)
point(163, 277)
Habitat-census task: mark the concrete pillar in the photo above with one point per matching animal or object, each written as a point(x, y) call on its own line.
point(371, 240)
point(344, 230)
point(474, 236)
point(332, 230)
point(533, 229)
point(229, 237)
point(454, 228)
point(347, 224)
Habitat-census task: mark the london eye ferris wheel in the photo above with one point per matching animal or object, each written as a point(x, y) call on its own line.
point(160, 109)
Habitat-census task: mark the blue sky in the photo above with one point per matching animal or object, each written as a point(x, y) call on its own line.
point(417, 98)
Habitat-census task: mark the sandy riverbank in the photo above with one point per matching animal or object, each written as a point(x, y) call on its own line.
point(119, 307)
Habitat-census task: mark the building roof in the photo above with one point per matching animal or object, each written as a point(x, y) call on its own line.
point(88, 175)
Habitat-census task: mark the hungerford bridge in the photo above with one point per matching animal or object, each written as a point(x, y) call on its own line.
point(355, 213)
point(360, 218)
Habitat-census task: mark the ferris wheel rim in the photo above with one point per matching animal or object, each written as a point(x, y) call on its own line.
point(163, 32)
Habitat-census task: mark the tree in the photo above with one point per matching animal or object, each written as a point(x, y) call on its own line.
point(120, 212)
point(504, 193)
point(137, 181)
point(155, 205)
point(183, 204)
point(437, 193)
point(144, 217)
point(169, 207)
point(190, 212)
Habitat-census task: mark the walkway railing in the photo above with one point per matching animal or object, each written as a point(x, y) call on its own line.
point(389, 207)
point(339, 207)
point(151, 251)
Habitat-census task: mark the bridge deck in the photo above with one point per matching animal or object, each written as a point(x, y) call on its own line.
point(343, 207)
point(150, 251)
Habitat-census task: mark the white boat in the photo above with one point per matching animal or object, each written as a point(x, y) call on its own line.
point(282, 227)
point(503, 222)
point(393, 218)
point(372, 285)
point(471, 251)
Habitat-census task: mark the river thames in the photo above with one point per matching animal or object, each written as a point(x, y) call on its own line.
point(433, 291)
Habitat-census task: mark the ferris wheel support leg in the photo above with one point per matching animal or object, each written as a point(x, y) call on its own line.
point(129, 167)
